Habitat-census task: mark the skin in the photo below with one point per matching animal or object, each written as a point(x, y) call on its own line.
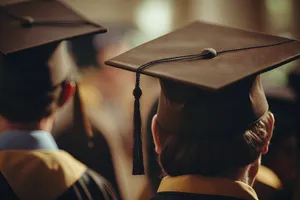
point(45, 123)
point(246, 174)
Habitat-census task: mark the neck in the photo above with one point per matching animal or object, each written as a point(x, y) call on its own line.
point(43, 124)
point(244, 176)
point(247, 174)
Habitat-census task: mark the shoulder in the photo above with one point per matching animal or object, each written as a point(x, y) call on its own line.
point(52, 172)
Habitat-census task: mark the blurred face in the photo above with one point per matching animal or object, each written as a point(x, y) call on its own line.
point(114, 81)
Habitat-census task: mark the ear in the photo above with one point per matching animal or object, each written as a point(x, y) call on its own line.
point(155, 135)
point(270, 128)
point(68, 90)
point(3, 123)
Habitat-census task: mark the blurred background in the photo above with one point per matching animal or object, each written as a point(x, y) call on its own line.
point(144, 20)
point(107, 92)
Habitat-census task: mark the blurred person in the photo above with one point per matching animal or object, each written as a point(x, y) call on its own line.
point(99, 113)
point(84, 52)
point(282, 155)
point(115, 87)
point(77, 129)
point(213, 122)
point(267, 184)
point(294, 82)
point(35, 82)
point(115, 84)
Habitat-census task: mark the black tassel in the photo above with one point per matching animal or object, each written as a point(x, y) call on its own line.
point(138, 161)
point(82, 124)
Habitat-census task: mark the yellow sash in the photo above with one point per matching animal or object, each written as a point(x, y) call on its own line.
point(197, 184)
point(267, 177)
point(39, 174)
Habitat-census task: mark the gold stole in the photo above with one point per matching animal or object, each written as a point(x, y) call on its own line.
point(197, 184)
point(39, 174)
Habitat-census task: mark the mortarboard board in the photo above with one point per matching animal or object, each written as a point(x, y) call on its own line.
point(206, 92)
point(34, 23)
point(30, 36)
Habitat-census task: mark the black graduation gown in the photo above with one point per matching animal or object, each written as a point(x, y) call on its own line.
point(97, 158)
point(74, 138)
point(49, 175)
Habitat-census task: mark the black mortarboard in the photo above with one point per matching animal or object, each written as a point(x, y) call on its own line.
point(30, 36)
point(206, 92)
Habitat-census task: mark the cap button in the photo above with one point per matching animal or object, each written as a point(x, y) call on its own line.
point(209, 53)
point(137, 92)
point(27, 21)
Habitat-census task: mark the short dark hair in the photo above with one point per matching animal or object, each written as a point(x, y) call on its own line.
point(29, 106)
point(182, 154)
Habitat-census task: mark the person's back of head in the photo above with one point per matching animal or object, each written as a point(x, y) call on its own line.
point(210, 134)
point(33, 84)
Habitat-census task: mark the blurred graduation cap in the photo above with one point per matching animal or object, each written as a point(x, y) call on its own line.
point(86, 49)
point(30, 42)
point(209, 79)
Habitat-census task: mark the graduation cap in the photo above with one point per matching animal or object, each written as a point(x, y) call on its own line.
point(30, 42)
point(209, 79)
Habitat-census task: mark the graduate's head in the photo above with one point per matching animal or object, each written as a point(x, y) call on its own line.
point(211, 133)
point(35, 68)
point(34, 83)
point(212, 105)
